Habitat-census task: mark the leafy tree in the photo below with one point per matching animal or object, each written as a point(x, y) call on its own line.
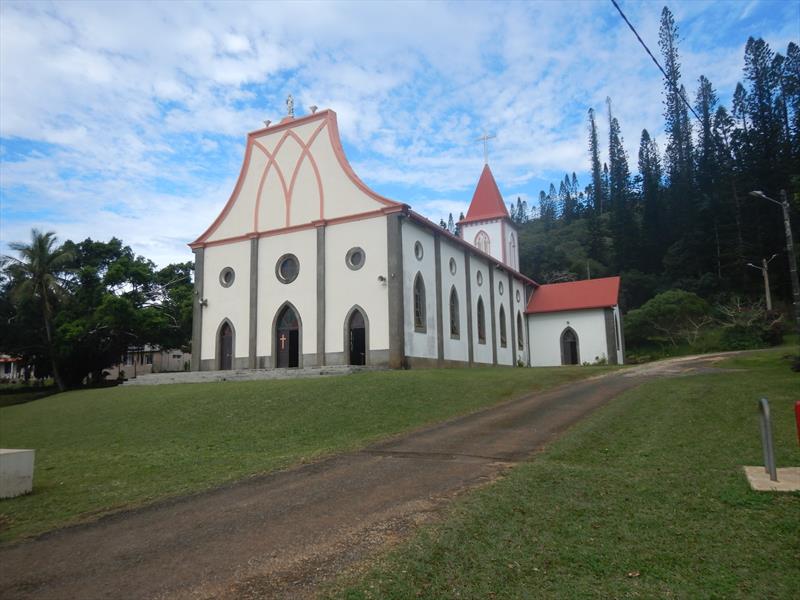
point(672, 316)
point(39, 278)
point(111, 300)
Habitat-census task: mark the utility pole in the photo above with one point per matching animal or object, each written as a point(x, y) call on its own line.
point(784, 204)
point(765, 272)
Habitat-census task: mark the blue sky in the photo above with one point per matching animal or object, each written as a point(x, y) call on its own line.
point(129, 119)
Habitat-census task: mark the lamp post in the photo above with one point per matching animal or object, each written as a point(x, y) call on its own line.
point(784, 204)
point(764, 268)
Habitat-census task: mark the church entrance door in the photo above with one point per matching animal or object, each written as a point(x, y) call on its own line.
point(569, 347)
point(358, 339)
point(287, 339)
point(226, 347)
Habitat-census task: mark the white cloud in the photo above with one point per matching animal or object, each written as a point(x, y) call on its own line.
point(128, 119)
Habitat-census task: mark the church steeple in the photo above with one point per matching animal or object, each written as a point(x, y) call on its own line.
point(487, 203)
point(488, 225)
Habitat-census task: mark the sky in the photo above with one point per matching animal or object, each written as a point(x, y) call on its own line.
point(130, 119)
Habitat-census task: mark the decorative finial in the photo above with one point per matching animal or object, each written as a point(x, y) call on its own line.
point(267, 122)
point(313, 108)
point(485, 138)
point(290, 106)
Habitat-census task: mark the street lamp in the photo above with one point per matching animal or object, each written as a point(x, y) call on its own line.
point(764, 268)
point(784, 204)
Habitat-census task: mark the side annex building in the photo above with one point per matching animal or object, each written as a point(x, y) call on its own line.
point(306, 266)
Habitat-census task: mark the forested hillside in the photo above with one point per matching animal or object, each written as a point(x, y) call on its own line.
point(681, 216)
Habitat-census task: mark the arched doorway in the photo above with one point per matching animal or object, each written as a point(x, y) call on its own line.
point(357, 338)
point(225, 346)
point(569, 347)
point(287, 339)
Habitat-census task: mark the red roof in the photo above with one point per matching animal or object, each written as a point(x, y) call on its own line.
point(487, 203)
point(575, 295)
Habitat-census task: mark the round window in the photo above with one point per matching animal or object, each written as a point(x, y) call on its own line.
point(452, 266)
point(500, 287)
point(518, 296)
point(287, 268)
point(226, 277)
point(479, 278)
point(355, 258)
point(418, 252)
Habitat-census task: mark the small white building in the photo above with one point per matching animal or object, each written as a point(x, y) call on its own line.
point(307, 266)
point(575, 323)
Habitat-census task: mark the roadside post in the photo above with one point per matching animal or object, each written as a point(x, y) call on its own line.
point(766, 438)
point(797, 418)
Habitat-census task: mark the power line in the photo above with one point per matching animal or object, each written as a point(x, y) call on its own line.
point(655, 60)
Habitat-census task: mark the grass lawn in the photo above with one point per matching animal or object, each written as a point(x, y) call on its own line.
point(99, 450)
point(644, 499)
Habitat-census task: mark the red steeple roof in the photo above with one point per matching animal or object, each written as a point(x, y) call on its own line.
point(487, 203)
point(575, 295)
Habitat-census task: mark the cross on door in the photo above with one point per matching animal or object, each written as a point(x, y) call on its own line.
point(283, 341)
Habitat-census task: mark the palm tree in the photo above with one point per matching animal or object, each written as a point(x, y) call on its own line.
point(38, 273)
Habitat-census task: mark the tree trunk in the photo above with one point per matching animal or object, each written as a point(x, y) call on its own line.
point(56, 375)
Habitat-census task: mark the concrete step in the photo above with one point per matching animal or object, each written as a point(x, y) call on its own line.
point(245, 375)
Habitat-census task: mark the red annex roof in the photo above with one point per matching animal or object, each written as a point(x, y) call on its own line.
point(487, 203)
point(575, 295)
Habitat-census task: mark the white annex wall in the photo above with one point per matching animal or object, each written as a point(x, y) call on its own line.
point(419, 344)
point(346, 288)
point(545, 331)
point(481, 352)
point(302, 292)
point(232, 303)
point(455, 348)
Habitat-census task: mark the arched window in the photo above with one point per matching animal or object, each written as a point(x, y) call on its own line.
point(419, 304)
point(481, 322)
point(503, 327)
point(512, 255)
point(482, 241)
point(520, 341)
point(454, 316)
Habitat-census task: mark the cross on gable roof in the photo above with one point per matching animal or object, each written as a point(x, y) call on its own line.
point(487, 203)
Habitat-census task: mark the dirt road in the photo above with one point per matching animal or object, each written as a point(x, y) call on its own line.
point(280, 535)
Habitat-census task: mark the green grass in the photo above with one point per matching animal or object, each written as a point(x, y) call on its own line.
point(103, 449)
point(645, 499)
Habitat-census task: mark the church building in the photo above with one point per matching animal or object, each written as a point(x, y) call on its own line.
point(306, 266)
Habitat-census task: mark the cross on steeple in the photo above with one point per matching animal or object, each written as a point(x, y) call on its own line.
point(485, 139)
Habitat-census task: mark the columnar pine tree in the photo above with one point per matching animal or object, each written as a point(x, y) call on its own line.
point(652, 209)
point(678, 130)
point(619, 181)
point(596, 187)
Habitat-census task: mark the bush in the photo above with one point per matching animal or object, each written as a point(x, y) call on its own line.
point(674, 316)
point(748, 325)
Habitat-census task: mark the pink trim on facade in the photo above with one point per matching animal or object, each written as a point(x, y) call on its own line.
point(272, 161)
point(311, 225)
point(328, 117)
point(333, 132)
point(306, 151)
point(229, 204)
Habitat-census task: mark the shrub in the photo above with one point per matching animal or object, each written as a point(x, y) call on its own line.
point(749, 325)
point(674, 316)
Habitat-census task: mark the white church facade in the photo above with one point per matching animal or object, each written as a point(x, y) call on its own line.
point(307, 266)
